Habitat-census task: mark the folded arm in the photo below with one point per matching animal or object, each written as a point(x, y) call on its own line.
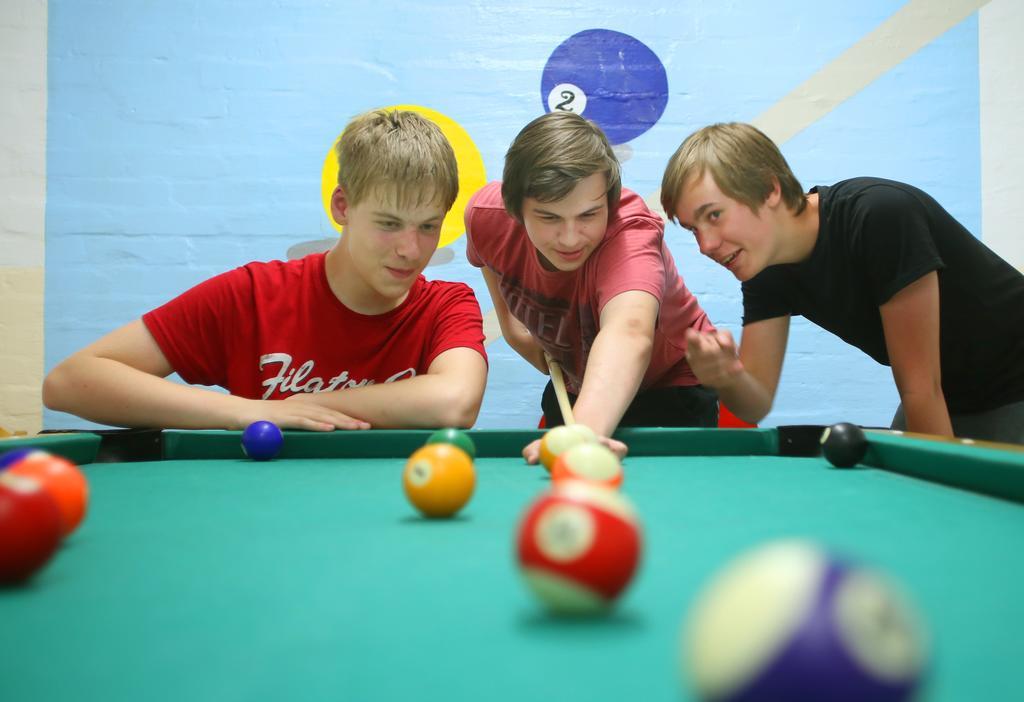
point(121, 380)
point(449, 394)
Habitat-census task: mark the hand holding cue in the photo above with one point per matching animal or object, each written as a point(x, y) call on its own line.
point(559, 383)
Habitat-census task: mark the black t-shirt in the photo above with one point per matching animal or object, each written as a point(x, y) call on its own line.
point(877, 236)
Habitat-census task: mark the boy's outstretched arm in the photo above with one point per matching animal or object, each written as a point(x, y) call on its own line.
point(746, 379)
point(121, 380)
point(449, 394)
point(616, 365)
point(910, 322)
point(515, 333)
point(617, 361)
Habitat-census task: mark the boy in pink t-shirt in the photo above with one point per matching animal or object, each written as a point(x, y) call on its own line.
point(578, 269)
point(351, 339)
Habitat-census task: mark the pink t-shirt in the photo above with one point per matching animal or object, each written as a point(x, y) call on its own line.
point(563, 310)
point(271, 330)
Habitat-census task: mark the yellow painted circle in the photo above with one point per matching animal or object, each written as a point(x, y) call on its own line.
point(472, 175)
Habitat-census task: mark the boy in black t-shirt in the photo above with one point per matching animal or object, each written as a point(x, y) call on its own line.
point(878, 263)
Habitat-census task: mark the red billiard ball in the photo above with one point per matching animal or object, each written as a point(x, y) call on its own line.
point(262, 440)
point(578, 547)
point(62, 479)
point(30, 527)
point(590, 462)
point(790, 621)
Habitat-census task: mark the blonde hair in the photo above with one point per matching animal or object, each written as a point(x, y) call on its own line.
point(400, 152)
point(744, 162)
point(551, 155)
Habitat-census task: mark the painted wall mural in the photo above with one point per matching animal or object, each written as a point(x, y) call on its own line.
point(186, 140)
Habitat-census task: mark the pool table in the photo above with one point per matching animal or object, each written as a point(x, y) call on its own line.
point(201, 575)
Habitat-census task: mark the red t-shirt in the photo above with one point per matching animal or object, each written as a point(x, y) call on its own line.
point(271, 330)
point(563, 309)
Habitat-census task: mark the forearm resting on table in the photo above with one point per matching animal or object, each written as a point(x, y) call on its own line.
point(110, 392)
point(426, 401)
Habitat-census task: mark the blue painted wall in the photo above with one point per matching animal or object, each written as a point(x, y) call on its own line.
point(187, 138)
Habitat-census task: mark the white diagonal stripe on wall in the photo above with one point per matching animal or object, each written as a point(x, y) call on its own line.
point(906, 31)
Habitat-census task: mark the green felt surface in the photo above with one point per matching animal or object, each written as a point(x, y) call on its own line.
point(314, 579)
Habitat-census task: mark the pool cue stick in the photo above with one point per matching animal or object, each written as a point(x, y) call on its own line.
point(559, 383)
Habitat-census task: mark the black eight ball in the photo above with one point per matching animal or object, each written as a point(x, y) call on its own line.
point(843, 444)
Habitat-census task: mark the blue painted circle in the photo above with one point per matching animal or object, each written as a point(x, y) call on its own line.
point(623, 82)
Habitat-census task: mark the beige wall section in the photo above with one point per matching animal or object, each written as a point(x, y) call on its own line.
point(21, 348)
point(22, 210)
point(1000, 67)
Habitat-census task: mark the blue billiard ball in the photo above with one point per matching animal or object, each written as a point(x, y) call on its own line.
point(790, 621)
point(611, 78)
point(262, 440)
point(11, 457)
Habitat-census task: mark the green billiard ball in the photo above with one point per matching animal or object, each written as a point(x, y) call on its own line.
point(454, 437)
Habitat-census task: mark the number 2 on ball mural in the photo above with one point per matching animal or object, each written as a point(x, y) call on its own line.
point(610, 78)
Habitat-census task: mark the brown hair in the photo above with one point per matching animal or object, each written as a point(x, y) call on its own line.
point(400, 151)
point(551, 155)
point(744, 162)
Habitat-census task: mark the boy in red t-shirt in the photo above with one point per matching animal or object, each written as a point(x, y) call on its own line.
point(577, 268)
point(352, 339)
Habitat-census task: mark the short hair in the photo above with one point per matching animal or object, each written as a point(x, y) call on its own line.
point(744, 162)
point(551, 155)
point(401, 152)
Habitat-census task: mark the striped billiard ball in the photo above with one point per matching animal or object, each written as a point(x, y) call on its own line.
point(578, 547)
point(790, 621)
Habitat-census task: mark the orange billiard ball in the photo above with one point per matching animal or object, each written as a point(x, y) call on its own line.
point(439, 479)
point(590, 462)
point(64, 482)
